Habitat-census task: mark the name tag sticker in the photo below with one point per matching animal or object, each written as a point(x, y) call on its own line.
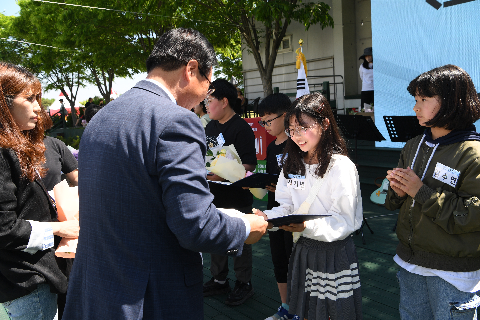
point(296, 181)
point(220, 140)
point(446, 174)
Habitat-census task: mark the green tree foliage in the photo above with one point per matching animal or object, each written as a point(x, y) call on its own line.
point(261, 24)
point(99, 45)
point(47, 102)
point(230, 62)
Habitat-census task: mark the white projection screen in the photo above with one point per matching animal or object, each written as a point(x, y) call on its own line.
point(410, 37)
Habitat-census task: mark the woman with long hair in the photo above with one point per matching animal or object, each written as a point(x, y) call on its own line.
point(30, 277)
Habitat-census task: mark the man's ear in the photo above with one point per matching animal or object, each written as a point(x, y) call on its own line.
point(191, 71)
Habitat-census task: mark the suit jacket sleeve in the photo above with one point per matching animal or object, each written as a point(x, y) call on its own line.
point(14, 232)
point(191, 216)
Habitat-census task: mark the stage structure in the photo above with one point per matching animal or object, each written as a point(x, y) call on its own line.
point(414, 36)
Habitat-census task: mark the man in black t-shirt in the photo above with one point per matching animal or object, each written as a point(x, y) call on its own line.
point(89, 102)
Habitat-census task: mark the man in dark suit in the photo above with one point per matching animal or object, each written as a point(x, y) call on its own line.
point(145, 208)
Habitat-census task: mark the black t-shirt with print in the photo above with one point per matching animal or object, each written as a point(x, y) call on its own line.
point(235, 131)
point(274, 156)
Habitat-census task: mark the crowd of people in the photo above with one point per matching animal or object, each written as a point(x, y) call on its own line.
point(148, 206)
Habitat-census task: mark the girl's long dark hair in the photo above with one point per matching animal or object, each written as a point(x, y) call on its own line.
point(314, 106)
point(27, 145)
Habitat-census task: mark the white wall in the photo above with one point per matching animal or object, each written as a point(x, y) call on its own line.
point(327, 51)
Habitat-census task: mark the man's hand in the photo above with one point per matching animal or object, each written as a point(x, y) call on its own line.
point(261, 214)
point(258, 227)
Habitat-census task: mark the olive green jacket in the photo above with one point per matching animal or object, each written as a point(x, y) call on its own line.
point(442, 229)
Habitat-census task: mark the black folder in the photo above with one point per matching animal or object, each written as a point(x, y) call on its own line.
point(295, 218)
point(257, 180)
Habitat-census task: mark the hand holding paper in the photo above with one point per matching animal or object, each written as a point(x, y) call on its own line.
point(258, 227)
point(67, 202)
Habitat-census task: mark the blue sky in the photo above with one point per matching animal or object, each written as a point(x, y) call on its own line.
point(9, 8)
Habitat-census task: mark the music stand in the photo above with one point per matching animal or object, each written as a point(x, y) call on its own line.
point(402, 128)
point(358, 127)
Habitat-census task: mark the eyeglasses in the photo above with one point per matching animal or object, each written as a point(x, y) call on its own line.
point(207, 100)
point(211, 88)
point(268, 122)
point(300, 131)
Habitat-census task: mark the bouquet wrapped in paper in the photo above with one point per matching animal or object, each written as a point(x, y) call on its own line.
point(225, 162)
point(67, 202)
point(259, 193)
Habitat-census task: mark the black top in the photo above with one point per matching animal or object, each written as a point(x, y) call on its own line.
point(274, 155)
point(59, 159)
point(235, 131)
point(22, 200)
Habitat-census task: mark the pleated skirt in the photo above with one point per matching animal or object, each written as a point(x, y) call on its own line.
point(323, 280)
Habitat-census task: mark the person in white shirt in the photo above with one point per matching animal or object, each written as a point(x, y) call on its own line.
point(318, 178)
point(366, 74)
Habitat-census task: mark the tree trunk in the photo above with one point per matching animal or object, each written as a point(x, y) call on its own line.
point(267, 84)
point(74, 112)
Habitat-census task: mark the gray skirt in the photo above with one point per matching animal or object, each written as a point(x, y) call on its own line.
point(323, 280)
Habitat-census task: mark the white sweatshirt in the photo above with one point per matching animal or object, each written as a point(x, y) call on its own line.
point(367, 78)
point(339, 196)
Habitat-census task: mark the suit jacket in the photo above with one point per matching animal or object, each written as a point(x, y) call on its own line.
point(145, 212)
point(22, 200)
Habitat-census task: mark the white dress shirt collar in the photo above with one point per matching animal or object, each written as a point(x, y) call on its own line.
point(169, 94)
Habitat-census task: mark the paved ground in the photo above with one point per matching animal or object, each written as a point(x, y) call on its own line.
point(377, 273)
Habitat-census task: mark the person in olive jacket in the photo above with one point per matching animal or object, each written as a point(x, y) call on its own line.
point(437, 189)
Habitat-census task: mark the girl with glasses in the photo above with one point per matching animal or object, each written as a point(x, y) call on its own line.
point(323, 280)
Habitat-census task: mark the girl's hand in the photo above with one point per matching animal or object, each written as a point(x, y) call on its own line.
point(261, 214)
point(66, 229)
point(295, 227)
point(405, 180)
point(390, 177)
point(271, 187)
